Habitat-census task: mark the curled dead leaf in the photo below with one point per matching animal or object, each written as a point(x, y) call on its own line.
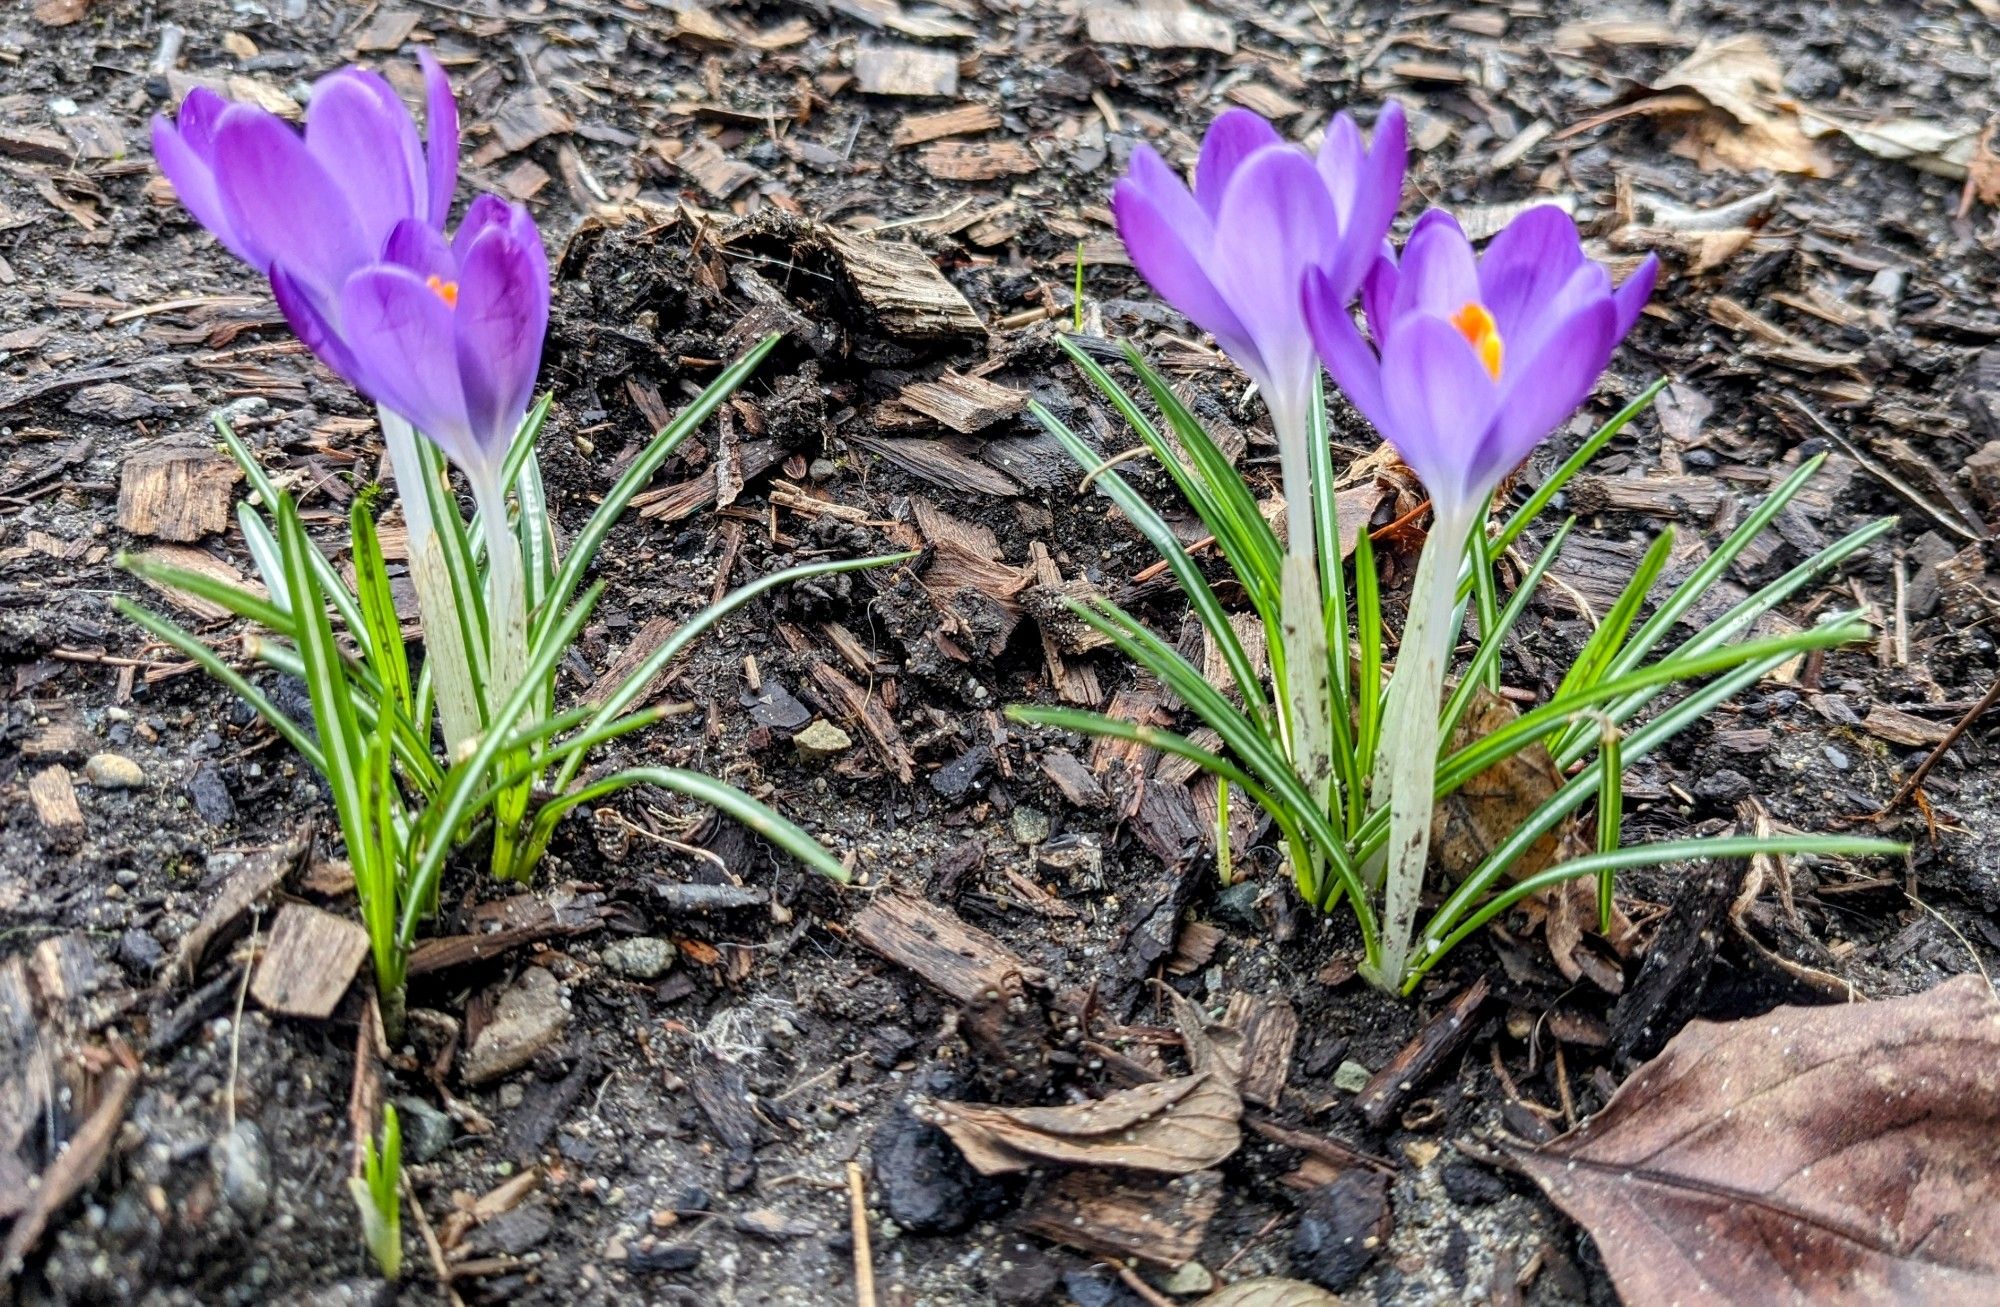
point(1269, 1291)
point(1477, 818)
point(1756, 125)
point(1171, 1127)
point(1831, 1155)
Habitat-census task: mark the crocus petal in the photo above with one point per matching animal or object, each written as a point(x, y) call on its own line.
point(282, 203)
point(414, 244)
point(440, 139)
point(364, 139)
point(310, 323)
point(1232, 138)
point(503, 314)
point(1280, 223)
point(403, 338)
point(1542, 318)
point(1342, 156)
point(1546, 388)
point(1153, 221)
point(1630, 298)
point(1438, 274)
point(1378, 193)
point(1440, 403)
point(483, 214)
point(184, 151)
point(1354, 366)
point(1532, 256)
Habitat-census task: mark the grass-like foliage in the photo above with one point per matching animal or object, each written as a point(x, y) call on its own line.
point(377, 1193)
point(405, 806)
point(1632, 688)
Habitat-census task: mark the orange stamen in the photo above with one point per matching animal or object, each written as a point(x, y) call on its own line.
point(1476, 325)
point(448, 290)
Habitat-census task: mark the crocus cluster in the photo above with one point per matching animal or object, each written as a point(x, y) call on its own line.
point(1469, 362)
point(444, 333)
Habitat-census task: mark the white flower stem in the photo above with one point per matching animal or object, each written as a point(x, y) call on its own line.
point(1303, 616)
point(437, 602)
point(506, 651)
point(506, 601)
point(1406, 768)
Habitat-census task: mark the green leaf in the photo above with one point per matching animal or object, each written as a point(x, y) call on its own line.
point(621, 696)
point(1149, 523)
point(1575, 463)
point(1246, 739)
point(454, 541)
point(340, 736)
point(443, 818)
point(378, 605)
point(191, 645)
point(1647, 855)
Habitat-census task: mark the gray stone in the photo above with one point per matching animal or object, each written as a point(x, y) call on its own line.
point(1351, 1077)
point(1188, 1279)
point(1030, 825)
point(643, 957)
point(210, 795)
point(427, 1132)
point(113, 771)
point(529, 1018)
point(245, 1166)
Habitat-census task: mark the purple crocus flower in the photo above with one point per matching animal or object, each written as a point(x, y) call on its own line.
point(348, 222)
point(1233, 253)
point(1475, 360)
point(446, 333)
point(324, 203)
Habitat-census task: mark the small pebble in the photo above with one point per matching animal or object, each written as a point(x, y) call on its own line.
point(1030, 825)
point(642, 957)
point(822, 740)
point(113, 771)
point(511, 1094)
point(1351, 1077)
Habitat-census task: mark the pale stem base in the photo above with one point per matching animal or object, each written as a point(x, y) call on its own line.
point(437, 602)
point(1406, 769)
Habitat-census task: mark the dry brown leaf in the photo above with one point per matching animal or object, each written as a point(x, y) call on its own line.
point(1478, 817)
point(1824, 1155)
point(1267, 1291)
point(1759, 127)
point(1173, 1127)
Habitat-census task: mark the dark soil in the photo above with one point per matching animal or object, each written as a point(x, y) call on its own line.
point(690, 1131)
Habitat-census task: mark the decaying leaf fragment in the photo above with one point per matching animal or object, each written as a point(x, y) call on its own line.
point(1479, 816)
point(1268, 1291)
point(1756, 125)
point(1829, 1155)
point(1172, 1127)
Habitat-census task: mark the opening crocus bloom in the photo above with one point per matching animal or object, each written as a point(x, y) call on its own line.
point(1475, 361)
point(448, 334)
point(1232, 253)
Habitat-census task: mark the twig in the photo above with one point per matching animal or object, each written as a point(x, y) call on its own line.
point(1146, 1291)
point(431, 1244)
point(864, 1260)
point(236, 1026)
point(1959, 728)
